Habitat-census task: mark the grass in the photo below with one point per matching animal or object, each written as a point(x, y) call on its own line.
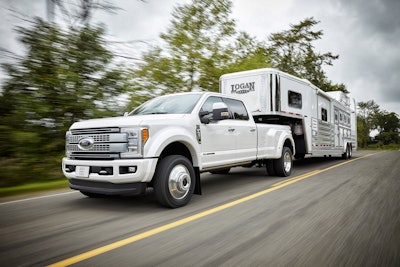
point(378, 146)
point(32, 188)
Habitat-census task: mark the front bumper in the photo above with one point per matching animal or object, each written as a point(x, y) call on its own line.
point(144, 172)
point(106, 188)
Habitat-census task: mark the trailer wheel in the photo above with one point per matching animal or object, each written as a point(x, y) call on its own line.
point(283, 165)
point(174, 181)
point(348, 153)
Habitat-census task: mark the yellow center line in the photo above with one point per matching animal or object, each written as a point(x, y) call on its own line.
point(152, 232)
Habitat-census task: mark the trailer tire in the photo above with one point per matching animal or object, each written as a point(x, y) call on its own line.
point(174, 181)
point(283, 165)
point(348, 153)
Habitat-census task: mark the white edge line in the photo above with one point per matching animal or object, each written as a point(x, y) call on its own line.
point(34, 198)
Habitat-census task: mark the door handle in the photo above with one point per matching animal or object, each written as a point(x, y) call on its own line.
point(231, 129)
point(252, 130)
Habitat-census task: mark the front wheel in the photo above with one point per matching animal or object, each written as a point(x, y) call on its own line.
point(174, 181)
point(283, 165)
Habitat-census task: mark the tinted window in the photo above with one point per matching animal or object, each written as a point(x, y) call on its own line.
point(324, 114)
point(294, 100)
point(237, 109)
point(208, 105)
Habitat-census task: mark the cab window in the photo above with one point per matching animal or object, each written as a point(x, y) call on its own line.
point(237, 109)
point(208, 106)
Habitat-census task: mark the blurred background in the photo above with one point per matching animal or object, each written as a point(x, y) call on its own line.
point(61, 64)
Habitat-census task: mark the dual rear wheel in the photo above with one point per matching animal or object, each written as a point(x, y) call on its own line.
point(348, 153)
point(283, 165)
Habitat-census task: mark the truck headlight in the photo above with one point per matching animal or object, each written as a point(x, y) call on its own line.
point(136, 139)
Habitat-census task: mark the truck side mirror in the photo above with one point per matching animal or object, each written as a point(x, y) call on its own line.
point(220, 111)
point(126, 114)
point(203, 117)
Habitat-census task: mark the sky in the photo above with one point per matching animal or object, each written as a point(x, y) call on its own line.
point(364, 33)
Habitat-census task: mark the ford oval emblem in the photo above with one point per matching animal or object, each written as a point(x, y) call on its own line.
point(86, 143)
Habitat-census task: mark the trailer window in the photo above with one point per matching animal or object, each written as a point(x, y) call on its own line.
point(324, 114)
point(294, 100)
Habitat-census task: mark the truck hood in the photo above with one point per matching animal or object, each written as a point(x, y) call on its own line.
point(129, 121)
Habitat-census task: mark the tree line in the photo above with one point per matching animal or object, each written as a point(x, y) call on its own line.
point(70, 74)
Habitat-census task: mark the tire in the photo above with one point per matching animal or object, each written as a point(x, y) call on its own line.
point(348, 153)
point(283, 165)
point(270, 168)
point(222, 171)
point(174, 181)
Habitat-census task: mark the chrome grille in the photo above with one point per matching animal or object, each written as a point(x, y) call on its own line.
point(95, 131)
point(97, 138)
point(100, 138)
point(114, 148)
point(108, 143)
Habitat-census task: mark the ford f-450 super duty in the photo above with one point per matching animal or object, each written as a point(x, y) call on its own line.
point(167, 142)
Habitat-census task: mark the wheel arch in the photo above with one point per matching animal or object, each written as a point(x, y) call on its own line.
point(184, 149)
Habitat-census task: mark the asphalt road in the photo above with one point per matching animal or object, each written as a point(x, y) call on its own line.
point(326, 214)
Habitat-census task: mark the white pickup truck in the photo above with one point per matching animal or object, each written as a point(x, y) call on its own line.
point(167, 142)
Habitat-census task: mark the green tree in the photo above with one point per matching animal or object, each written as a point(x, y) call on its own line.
point(388, 125)
point(65, 76)
point(292, 51)
point(194, 49)
point(370, 117)
point(200, 45)
point(366, 121)
point(248, 54)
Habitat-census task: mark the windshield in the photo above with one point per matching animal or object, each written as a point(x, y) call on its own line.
point(171, 104)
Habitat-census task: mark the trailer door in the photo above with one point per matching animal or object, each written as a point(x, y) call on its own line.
point(325, 126)
point(337, 130)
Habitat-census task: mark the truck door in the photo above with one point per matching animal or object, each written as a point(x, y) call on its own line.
point(217, 137)
point(244, 131)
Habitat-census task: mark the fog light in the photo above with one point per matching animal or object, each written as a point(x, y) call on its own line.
point(69, 168)
point(132, 169)
point(127, 169)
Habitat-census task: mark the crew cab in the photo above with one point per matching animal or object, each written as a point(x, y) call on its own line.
point(167, 142)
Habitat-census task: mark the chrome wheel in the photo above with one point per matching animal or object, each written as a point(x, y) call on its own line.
point(283, 165)
point(174, 181)
point(287, 161)
point(179, 182)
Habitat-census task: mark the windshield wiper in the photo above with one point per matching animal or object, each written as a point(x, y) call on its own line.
point(152, 113)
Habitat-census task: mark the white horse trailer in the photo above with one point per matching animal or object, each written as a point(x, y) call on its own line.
point(323, 123)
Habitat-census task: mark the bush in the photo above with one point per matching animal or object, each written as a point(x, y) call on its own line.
point(387, 138)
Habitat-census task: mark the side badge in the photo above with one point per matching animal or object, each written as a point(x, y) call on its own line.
point(198, 134)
